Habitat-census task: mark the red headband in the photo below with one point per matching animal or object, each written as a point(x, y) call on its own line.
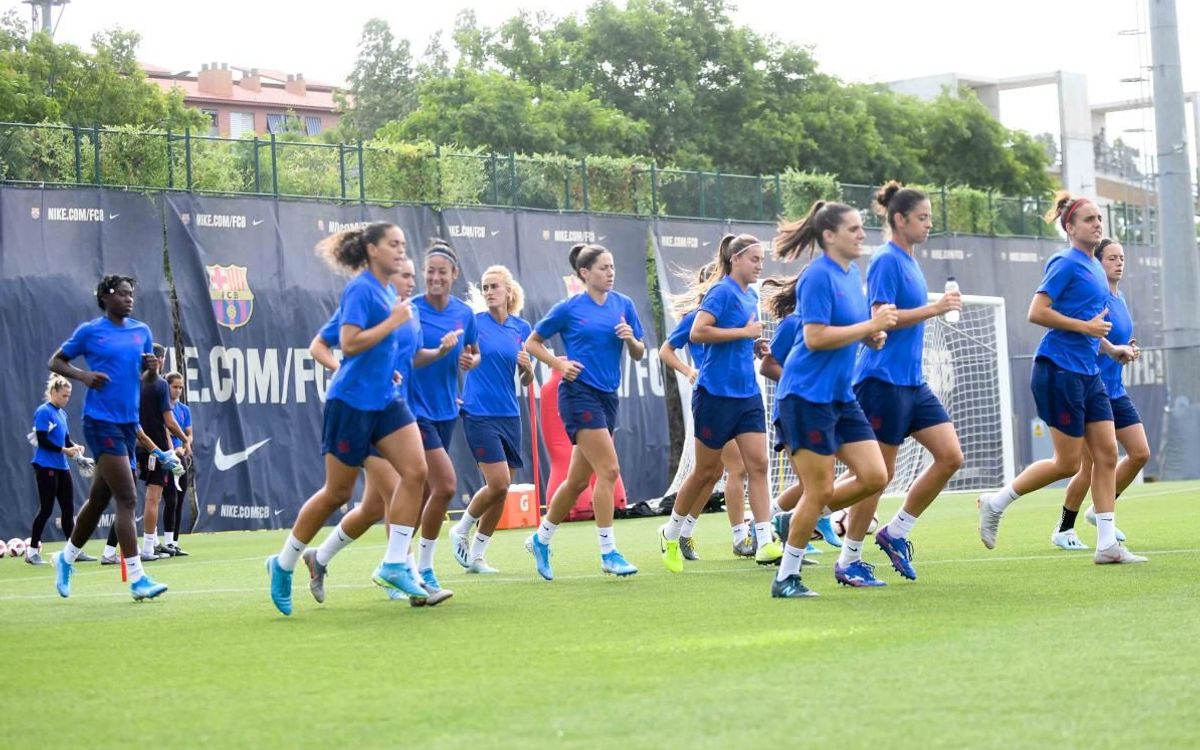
point(1074, 205)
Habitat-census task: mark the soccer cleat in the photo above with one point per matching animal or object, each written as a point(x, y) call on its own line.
point(825, 529)
point(614, 563)
point(462, 549)
point(152, 556)
point(316, 575)
point(899, 550)
point(813, 550)
point(541, 556)
point(176, 550)
point(110, 559)
point(769, 554)
point(1117, 555)
point(398, 576)
point(806, 561)
point(480, 566)
point(1090, 517)
point(435, 593)
point(163, 550)
point(989, 522)
point(84, 557)
point(744, 548)
point(858, 574)
point(395, 594)
point(34, 558)
point(62, 574)
point(144, 588)
point(781, 522)
point(281, 585)
point(671, 556)
point(790, 588)
point(687, 545)
point(1067, 540)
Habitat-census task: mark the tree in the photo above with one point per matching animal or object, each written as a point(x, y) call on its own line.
point(382, 84)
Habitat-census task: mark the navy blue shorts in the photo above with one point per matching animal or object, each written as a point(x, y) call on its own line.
point(719, 419)
point(349, 433)
point(112, 439)
point(1125, 414)
point(583, 407)
point(436, 435)
point(494, 439)
point(1068, 400)
point(156, 477)
point(897, 411)
point(822, 428)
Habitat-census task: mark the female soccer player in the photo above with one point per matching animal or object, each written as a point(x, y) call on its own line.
point(817, 409)
point(596, 327)
point(435, 392)
point(1072, 301)
point(116, 347)
point(50, 467)
point(688, 306)
point(361, 410)
point(890, 385)
point(173, 494)
point(1126, 420)
point(491, 414)
point(727, 403)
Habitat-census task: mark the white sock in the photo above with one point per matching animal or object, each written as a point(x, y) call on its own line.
point(109, 551)
point(149, 542)
point(168, 537)
point(480, 546)
point(673, 528)
point(465, 523)
point(793, 558)
point(425, 553)
point(546, 531)
point(689, 527)
point(1106, 530)
point(290, 554)
point(740, 532)
point(399, 540)
point(851, 551)
point(411, 561)
point(762, 533)
point(337, 541)
point(608, 539)
point(71, 552)
point(133, 569)
point(902, 525)
point(1003, 498)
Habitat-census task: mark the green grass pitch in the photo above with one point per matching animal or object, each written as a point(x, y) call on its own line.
point(1025, 646)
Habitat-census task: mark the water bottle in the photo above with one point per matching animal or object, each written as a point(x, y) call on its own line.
point(951, 316)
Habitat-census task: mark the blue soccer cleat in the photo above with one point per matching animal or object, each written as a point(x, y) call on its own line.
point(398, 576)
point(614, 563)
point(62, 574)
point(858, 574)
point(812, 549)
point(899, 550)
point(781, 522)
point(144, 588)
point(541, 556)
point(281, 585)
point(790, 588)
point(825, 529)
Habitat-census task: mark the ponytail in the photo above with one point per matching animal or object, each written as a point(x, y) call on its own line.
point(346, 252)
point(781, 302)
point(807, 234)
point(1064, 207)
point(893, 198)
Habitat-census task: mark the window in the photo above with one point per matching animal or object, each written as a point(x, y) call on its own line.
point(312, 125)
point(276, 123)
point(241, 124)
point(214, 127)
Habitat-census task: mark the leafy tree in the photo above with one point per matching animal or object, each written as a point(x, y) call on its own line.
point(382, 86)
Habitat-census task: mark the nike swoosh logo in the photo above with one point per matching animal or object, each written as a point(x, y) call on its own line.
point(113, 216)
point(279, 511)
point(256, 223)
point(495, 232)
point(226, 461)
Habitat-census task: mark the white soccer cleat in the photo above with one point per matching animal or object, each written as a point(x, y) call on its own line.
point(1067, 540)
point(989, 522)
point(1117, 555)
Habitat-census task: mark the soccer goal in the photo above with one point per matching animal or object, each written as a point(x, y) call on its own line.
point(966, 365)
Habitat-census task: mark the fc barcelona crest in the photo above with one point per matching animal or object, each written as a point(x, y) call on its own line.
point(232, 300)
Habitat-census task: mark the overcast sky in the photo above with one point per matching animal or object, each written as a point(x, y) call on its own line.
point(857, 40)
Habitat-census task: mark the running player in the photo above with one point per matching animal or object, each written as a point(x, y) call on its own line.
point(1072, 301)
point(597, 326)
point(491, 414)
point(50, 467)
point(817, 409)
point(1126, 420)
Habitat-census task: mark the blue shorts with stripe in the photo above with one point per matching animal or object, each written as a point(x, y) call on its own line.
point(112, 439)
point(1125, 414)
point(437, 434)
point(583, 407)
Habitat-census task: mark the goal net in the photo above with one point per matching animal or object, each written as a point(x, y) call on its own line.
point(966, 365)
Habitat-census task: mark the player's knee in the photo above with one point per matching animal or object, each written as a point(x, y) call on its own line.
point(497, 486)
point(1139, 455)
point(608, 473)
point(874, 478)
point(951, 460)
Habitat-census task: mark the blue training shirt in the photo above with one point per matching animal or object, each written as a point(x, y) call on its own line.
point(434, 388)
point(728, 368)
point(830, 295)
point(1078, 288)
point(1121, 333)
point(489, 390)
point(53, 421)
point(782, 344)
point(117, 352)
point(894, 278)
point(589, 335)
point(681, 337)
point(183, 415)
point(364, 380)
point(408, 338)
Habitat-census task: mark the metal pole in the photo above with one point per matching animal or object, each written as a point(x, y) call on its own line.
point(778, 196)
point(1176, 211)
point(342, 168)
point(187, 157)
point(96, 154)
point(78, 156)
point(257, 168)
point(654, 188)
point(583, 168)
point(512, 178)
point(170, 162)
point(362, 176)
point(274, 169)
